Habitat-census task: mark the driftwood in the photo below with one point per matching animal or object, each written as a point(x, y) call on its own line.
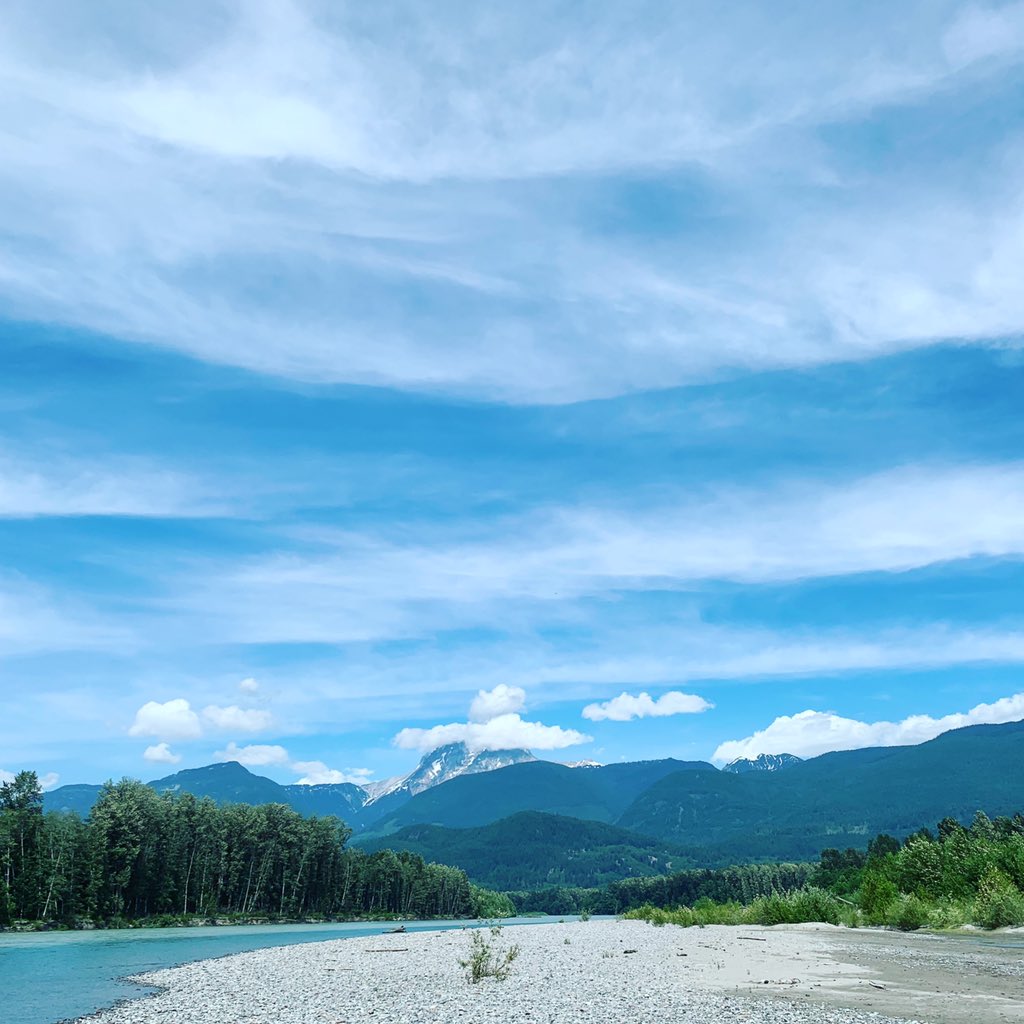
point(394, 949)
point(750, 938)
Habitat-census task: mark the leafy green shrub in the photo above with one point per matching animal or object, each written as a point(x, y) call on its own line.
point(850, 917)
point(489, 905)
point(658, 917)
point(877, 895)
point(804, 905)
point(707, 912)
point(487, 959)
point(1000, 904)
point(949, 914)
point(908, 914)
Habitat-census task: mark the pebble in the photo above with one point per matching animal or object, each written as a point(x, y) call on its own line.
point(586, 981)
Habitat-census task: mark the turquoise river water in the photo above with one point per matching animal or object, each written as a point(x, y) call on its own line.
point(47, 977)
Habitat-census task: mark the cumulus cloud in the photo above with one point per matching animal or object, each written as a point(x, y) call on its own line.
point(161, 753)
point(253, 756)
point(316, 773)
point(249, 686)
point(502, 700)
point(810, 733)
point(499, 733)
point(236, 719)
point(626, 706)
point(313, 773)
point(46, 782)
point(172, 720)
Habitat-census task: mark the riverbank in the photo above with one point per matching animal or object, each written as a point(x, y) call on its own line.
point(600, 972)
point(193, 921)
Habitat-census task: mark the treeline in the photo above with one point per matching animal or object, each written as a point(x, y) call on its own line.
point(143, 855)
point(682, 888)
point(946, 879)
point(949, 878)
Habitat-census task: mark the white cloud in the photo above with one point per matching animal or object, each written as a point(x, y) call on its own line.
point(502, 700)
point(316, 773)
point(48, 483)
point(356, 587)
point(810, 733)
point(34, 619)
point(338, 148)
point(626, 707)
point(172, 720)
point(254, 755)
point(161, 753)
point(249, 686)
point(236, 719)
point(46, 782)
point(501, 733)
point(982, 32)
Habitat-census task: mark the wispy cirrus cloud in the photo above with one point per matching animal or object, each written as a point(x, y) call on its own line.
point(35, 619)
point(43, 483)
point(349, 587)
point(342, 179)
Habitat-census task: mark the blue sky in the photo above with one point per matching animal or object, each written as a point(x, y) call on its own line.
point(381, 375)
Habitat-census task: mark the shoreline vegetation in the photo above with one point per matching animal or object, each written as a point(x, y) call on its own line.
point(952, 879)
point(164, 858)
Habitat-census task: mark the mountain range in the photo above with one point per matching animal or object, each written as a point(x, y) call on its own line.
point(489, 813)
point(359, 806)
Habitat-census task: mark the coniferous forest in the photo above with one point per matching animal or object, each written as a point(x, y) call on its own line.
point(148, 856)
point(170, 857)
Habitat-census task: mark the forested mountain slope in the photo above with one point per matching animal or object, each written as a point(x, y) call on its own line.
point(839, 799)
point(531, 850)
point(599, 793)
point(690, 808)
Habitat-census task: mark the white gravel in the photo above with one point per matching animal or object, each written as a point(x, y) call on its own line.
point(575, 972)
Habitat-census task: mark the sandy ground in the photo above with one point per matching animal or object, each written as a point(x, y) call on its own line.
point(602, 972)
point(940, 979)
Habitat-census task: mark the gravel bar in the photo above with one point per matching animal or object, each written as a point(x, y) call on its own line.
point(594, 972)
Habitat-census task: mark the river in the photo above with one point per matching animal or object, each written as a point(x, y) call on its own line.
point(47, 977)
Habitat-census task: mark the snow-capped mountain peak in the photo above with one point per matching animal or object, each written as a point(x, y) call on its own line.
point(444, 763)
point(761, 763)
